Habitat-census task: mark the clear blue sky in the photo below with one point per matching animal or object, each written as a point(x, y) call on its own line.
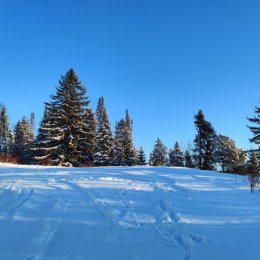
point(164, 60)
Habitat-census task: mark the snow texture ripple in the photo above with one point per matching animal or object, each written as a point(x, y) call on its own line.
point(130, 213)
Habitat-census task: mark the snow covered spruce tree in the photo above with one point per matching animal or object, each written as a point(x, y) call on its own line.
point(6, 134)
point(158, 156)
point(24, 138)
point(141, 158)
point(88, 138)
point(255, 130)
point(123, 152)
point(118, 156)
point(176, 156)
point(61, 134)
point(129, 150)
point(228, 155)
point(204, 143)
point(104, 137)
point(47, 146)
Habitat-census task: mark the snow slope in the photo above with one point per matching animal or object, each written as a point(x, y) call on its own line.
point(126, 213)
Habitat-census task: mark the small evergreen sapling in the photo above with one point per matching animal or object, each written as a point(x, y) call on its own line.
point(141, 158)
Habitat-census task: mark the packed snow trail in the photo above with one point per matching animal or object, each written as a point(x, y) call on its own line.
point(130, 213)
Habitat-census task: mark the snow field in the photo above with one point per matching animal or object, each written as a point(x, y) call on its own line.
point(117, 213)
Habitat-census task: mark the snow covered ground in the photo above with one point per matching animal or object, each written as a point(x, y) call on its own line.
point(126, 213)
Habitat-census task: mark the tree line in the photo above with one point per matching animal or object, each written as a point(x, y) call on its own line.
point(211, 151)
point(71, 134)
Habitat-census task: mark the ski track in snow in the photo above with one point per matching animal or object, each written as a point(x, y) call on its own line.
point(22, 197)
point(40, 242)
point(140, 213)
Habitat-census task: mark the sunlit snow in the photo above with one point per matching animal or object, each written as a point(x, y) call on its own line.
point(126, 213)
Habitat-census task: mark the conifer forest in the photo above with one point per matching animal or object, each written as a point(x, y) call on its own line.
point(72, 134)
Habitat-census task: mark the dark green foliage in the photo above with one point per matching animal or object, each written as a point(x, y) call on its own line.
point(176, 156)
point(141, 158)
point(100, 110)
point(6, 134)
point(88, 138)
point(129, 151)
point(158, 156)
point(253, 165)
point(205, 143)
point(59, 139)
point(255, 129)
point(118, 156)
point(123, 152)
point(188, 160)
point(253, 170)
point(47, 146)
point(104, 137)
point(23, 140)
point(70, 135)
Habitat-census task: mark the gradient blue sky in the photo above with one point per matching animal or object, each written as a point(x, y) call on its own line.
point(164, 60)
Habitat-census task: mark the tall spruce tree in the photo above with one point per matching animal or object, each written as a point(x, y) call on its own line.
point(6, 133)
point(23, 140)
point(123, 151)
point(129, 151)
point(176, 157)
point(104, 137)
point(255, 130)
point(205, 143)
point(118, 156)
point(158, 156)
point(61, 130)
